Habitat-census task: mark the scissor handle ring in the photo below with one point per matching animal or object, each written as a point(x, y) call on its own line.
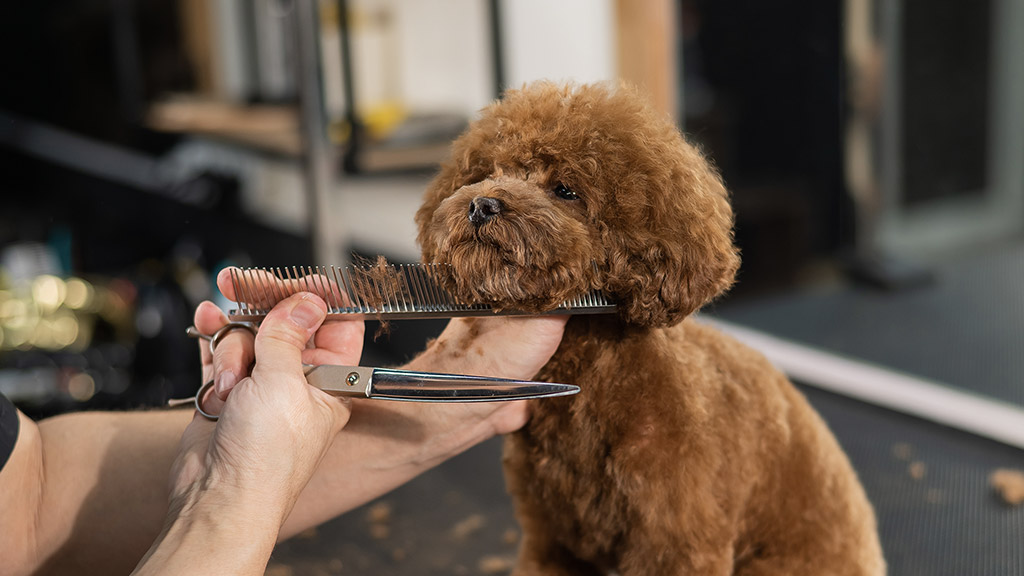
point(200, 394)
point(226, 329)
point(219, 335)
point(214, 340)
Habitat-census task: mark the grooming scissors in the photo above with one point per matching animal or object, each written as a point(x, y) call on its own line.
point(392, 384)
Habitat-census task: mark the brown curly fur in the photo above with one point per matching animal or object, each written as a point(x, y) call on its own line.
point(685, 452)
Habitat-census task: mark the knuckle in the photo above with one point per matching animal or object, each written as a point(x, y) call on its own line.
point(283, 333)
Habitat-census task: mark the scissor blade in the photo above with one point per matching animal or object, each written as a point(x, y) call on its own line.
point(433, 387)
point(389, 384)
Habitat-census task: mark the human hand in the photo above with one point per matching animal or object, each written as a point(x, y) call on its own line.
point(274, 428)
point(235, 481)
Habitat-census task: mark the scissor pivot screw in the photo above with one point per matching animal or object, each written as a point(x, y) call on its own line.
point(353, 378)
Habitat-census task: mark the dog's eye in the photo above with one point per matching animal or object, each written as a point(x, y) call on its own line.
point(563, 192)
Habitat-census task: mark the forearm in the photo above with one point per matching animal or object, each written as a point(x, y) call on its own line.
point(103, 499)
point(91, 491)
point(20, 495)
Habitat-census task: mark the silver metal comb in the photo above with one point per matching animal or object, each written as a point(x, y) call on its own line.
point(392, 292)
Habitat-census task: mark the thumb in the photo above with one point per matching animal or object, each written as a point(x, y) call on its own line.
point(284, 332)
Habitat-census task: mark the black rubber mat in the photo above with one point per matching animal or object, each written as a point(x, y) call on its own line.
point(937, 514)
point(454, 519)
point(966, 329)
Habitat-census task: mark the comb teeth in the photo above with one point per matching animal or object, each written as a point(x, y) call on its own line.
point(405, 291)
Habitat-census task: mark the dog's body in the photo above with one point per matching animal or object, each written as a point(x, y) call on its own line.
point(685, 452)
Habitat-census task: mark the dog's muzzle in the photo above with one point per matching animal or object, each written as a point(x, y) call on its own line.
point(483, 208)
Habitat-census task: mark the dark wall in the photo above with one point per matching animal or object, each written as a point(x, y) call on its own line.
point(90, 65)
point(763, 90)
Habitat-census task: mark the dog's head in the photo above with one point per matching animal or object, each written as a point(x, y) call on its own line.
point(557, 190)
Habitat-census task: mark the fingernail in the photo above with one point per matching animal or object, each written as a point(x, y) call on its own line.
point(225, 382)
point(307, 314)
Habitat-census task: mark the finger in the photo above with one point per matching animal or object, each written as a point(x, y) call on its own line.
point(233, 355)
point(337, 342)
point(265, 288)
point(374, 286)
point(318, 357)
point(208, 319)
point(283, 335)
point(341, 409)
point(232, 359)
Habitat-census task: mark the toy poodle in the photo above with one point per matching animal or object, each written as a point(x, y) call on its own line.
point(685, 452)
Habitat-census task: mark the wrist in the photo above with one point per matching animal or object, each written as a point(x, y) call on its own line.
point(212, 529)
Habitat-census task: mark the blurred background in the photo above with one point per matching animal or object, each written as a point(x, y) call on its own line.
point(874, 150)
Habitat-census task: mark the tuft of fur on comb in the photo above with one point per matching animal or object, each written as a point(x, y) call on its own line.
point(381, 283)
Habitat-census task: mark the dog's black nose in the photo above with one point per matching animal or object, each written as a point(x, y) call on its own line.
point(483, 208)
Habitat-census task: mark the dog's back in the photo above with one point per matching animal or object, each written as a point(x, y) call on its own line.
point(806, 512)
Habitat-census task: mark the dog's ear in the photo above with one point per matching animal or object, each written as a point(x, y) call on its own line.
point(670, 246)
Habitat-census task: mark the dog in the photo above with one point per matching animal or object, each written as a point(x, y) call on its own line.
point(684, 452)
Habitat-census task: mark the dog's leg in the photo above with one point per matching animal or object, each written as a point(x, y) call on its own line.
point(540, 556)
point(653, 547)
point(644, 561)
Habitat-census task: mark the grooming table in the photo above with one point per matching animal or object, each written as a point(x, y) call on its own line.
point(937, 514)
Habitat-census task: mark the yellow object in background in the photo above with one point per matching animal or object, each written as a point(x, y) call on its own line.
point(52, 313)
point(381, 119)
